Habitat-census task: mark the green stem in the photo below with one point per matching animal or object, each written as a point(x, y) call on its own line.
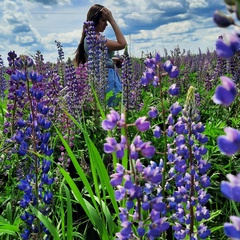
point(34, 139)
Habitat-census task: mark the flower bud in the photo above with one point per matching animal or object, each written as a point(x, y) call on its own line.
point(222, 20)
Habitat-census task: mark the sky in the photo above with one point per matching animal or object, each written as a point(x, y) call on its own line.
point(28, 26)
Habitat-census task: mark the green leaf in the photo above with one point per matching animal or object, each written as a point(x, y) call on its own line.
point(91, 212)
point(47, 223)
point(69, 214)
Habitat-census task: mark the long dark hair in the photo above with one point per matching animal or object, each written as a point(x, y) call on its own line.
point(94, 14)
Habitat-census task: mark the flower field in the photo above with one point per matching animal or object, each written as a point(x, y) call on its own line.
point(162, 163)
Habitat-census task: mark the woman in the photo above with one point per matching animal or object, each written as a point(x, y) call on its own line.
point(100, 16)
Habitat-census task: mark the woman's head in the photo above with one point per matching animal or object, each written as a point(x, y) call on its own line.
point(94, 14)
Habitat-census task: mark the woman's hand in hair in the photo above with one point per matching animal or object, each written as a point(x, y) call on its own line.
point(107, 14)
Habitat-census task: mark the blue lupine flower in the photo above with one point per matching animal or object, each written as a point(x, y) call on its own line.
point(226, 93)
point(173, 90)
point(232, 230)
point(229, 144)
point(26, 234)
point(231, 189)
point(175, 109)
point(167, 66)
point(153, 113)
point(157, 132)
point(47, 197)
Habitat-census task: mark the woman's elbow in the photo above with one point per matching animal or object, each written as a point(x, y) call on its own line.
point(123, 45)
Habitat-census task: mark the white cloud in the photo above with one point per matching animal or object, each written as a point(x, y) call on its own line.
point(197, 4)
point(148, 25)
point(24, 39)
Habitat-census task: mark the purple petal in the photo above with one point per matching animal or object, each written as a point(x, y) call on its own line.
point(108, 125)
point(223, 96)
point(227, 147)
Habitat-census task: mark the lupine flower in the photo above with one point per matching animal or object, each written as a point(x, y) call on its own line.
point(153, 113)
point(112, 146)
point(157, 132)
point(226, 93)
point(227, 46)
point(113, 120)
point(172, 70)
point(232, 230)
point(231, 189)
point(173, 90)
point(229, 144)
point(142, 125)
point(175, 109)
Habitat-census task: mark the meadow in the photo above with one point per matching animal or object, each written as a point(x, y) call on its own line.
point(162, 163)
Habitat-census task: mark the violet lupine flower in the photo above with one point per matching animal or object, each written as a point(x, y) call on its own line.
point(97, 60)
point(142, 125)
point(151, 75)
point(60, 50)
point(229, 144)
point(146, 149)
point(112, 146)
point(226, 93)
point(227, 46)
point(157, 132)
point(131, 87)
point(113, 120)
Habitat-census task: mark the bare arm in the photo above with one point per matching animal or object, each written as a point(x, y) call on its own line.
point(121, 41)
